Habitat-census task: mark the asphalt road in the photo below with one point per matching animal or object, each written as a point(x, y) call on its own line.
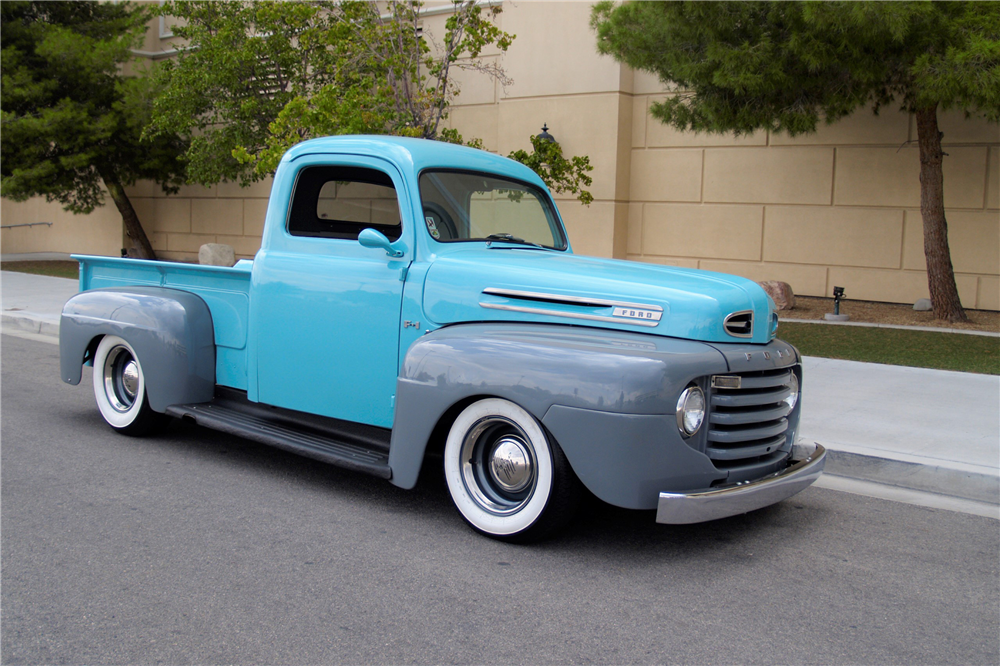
point(191, 547)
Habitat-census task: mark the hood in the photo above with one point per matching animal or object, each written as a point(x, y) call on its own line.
point(517, 284)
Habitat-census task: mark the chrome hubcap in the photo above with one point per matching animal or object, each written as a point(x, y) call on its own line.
point(498, 466)
point(510, 464)
point(121, 379)
point(130, 379)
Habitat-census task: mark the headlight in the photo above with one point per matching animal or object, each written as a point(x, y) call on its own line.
point(690, 410)
point(793, 397)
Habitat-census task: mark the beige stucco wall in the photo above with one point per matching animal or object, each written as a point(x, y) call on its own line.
point(97, 233)
point(558, 79)
point(178, 225)
point(838, 207)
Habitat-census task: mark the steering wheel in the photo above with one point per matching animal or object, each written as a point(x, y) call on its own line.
point(442, 221)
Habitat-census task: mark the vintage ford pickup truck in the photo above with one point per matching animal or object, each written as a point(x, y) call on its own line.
point(413, 297)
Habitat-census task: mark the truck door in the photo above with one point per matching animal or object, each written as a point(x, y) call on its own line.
point(324, 309)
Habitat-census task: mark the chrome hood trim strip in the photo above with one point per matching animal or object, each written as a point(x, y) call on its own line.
point(569, 300)
point(623, 312)
point(571, 315)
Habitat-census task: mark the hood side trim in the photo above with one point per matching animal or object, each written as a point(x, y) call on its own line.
point(571, 315)
point(569, 300)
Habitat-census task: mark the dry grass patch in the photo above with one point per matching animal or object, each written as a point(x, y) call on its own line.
point(63, 269)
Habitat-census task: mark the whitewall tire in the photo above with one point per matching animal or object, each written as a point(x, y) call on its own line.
point(507, 478)
point(120, 388)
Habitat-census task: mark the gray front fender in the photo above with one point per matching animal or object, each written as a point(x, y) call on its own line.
point(170, 330)
point(605, 378)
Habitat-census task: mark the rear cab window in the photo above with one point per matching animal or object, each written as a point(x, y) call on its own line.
point(340, 202)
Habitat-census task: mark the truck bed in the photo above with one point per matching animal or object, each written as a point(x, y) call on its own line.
point(225, 290)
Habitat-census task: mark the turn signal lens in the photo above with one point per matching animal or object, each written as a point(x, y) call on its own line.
point(690, 410)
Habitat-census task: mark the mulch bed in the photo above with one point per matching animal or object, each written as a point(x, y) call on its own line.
point(898, 314)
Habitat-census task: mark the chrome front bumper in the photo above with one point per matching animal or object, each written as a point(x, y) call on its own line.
point(700, 507)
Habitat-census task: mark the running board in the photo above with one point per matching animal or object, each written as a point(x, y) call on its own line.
point(341, 443)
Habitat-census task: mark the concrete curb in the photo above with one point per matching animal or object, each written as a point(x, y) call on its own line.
point(939, 479)
point(28, 323)
point(899, 327)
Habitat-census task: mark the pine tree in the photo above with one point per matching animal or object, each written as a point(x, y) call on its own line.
point(71, 120)
point(787, 66)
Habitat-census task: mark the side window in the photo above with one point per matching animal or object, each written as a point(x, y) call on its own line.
point(340, 202)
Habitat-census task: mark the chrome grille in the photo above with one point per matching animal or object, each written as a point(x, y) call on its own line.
point(747, 425)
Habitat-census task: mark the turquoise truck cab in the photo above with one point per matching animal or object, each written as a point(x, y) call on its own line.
point(414, 297)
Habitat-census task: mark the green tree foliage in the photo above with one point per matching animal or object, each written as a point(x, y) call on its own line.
point(243, 63)
point(258, 77)
point(71, 121)
point(561, 174)
point(387, 76)
point(785, 66)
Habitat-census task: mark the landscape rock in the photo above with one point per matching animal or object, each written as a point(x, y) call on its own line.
point(780, 292)
point(216, 254)
point(922, 305)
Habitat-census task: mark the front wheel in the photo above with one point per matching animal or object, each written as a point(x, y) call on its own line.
point(506, 477)
point(120, 388)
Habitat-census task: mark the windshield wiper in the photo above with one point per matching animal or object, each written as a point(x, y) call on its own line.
point(509, 238)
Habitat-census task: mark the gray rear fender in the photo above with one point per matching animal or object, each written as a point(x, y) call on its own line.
point(170, 330)
point(607, 397)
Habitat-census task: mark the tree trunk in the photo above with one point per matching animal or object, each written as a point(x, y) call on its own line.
point(940, 274)
point(133, 228)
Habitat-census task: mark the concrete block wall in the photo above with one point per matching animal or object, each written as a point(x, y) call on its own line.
point(558, 80)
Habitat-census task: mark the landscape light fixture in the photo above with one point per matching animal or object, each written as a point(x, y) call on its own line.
point(838, 293)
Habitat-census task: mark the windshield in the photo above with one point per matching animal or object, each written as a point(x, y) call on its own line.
point(470, 206)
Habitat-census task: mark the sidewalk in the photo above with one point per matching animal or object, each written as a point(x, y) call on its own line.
point(33, 303)
point(927, 430)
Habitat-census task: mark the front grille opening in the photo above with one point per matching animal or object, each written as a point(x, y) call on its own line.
point(748, 463)
point(765, 391)
point(750, 411)
point(748, 427)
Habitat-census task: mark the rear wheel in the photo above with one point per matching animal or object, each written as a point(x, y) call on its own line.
point(507, 478)
point(120, 388)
